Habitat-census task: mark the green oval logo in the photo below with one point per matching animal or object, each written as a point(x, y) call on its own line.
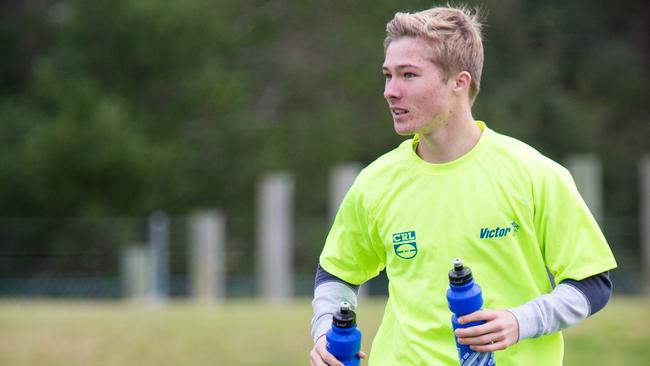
point(406, 250)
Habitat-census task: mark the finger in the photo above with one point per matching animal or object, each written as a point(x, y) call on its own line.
point(477, 330)
point(481, 340)
point(496, 346)
point(329, 358)
point(322, 356)
point(315, 359)
point(477, 316)
point(362, 354)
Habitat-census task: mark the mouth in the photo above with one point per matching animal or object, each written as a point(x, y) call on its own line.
point(399, 112)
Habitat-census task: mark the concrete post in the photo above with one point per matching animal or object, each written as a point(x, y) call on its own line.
point(207, 238)
point(135, 280)
point(341, 180)
point(159, 255)
point(587, 171)
point(275, 236)
point(644, 185)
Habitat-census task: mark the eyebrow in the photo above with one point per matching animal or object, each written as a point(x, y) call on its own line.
point(404, 66)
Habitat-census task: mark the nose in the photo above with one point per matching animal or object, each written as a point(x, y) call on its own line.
point(391, 89)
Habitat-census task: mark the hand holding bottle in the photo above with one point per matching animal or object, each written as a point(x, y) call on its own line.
point(319, 355)
point(499, 331)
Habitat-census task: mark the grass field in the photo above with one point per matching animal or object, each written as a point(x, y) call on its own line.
point(49, 333)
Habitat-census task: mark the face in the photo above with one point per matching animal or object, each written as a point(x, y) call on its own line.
point(418, 96)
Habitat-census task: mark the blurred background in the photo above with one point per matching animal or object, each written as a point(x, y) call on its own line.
point(121, 122)
point(113, 110)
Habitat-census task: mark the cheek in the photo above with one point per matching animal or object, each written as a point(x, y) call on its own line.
point(429, 103)
point(425, 99)
point(429, 96)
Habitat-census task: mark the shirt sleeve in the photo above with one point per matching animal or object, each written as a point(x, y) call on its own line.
point(573, 245)
point(352, 250)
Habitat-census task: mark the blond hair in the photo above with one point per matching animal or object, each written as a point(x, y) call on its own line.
point(454, 34)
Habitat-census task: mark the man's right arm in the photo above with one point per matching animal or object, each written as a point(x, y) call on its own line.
point(329, 292)
point(353, 254)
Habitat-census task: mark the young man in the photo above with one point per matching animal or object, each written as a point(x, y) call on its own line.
point(459, 189)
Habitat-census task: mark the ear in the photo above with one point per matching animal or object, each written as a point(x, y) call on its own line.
point(462, 81)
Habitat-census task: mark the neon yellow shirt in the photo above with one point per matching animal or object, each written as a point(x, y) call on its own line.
point(505, 209)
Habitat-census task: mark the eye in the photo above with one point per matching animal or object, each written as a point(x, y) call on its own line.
point(409, 75)
point(387, 76)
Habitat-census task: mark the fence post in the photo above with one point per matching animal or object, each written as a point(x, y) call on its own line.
point(135, 271)
point(207, 236)
point(275, 236)
point(587, 171)
point(644, 216)
point(341, 179)
point(159, 256)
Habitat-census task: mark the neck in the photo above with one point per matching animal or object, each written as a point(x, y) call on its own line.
point(450, 140)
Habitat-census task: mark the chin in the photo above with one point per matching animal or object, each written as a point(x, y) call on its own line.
point(403, 130)
point(405, 133)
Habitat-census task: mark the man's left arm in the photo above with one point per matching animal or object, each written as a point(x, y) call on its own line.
point(569, 303)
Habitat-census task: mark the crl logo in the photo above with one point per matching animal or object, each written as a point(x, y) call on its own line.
point(404, 244)
point(498, 232)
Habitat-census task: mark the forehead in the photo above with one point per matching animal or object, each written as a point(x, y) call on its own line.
point(408, 51)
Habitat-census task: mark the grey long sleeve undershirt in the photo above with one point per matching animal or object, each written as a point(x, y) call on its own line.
point(549, 313)
point(566, 305)
point(327, 299)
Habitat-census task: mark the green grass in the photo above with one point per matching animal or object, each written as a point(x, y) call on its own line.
point(48, 333)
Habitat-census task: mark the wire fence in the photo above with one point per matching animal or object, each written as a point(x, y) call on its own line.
point(80, 257)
